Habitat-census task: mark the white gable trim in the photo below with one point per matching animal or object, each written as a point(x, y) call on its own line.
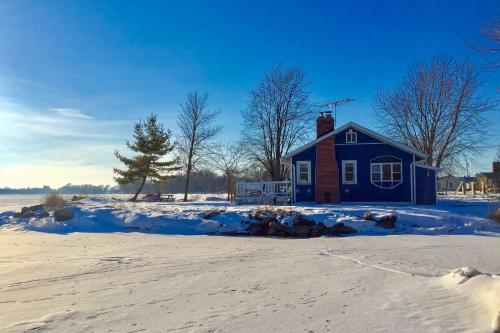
point(425, 166)
point(360, 129)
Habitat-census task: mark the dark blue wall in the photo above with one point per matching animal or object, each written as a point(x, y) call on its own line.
point(366, 149)
point(425, 185)
point(364, 190)
point(305, 192)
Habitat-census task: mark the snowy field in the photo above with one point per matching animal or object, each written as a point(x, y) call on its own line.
point(160, 267)
point(111, 213)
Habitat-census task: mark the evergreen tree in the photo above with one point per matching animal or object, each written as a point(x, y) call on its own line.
point(151, 143)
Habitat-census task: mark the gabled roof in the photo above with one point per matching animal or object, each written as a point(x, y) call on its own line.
point(360, 129)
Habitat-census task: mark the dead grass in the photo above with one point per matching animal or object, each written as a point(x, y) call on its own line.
point(79, 197)
point(368, 216)
point(275, 211)
point(196, 197)
point(495, 214)
point(54, 201)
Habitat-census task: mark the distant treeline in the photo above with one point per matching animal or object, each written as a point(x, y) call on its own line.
point(66, 189)
point(204, 181)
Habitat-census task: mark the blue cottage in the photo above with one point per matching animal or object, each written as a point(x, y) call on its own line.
point(355, 164)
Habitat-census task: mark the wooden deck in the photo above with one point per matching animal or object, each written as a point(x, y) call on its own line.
point(269, 193)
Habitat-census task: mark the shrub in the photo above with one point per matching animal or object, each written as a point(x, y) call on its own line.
point(196, 197)
point(54, 201)
point(368, 216)
point(78, 197)
point(495, 214)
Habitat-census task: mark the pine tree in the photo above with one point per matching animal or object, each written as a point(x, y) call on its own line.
point(151, 143)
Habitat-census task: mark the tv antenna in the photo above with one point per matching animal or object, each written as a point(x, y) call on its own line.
point(333, 105)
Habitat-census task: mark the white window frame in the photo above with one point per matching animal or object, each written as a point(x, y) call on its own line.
point(355, 172)
point(390, 183)
point(308, 164)
point(351, 136)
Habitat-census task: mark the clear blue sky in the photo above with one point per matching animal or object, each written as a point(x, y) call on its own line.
point(75, 75)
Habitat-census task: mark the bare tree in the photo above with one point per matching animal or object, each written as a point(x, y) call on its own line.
point(488, 44)
point(437, 109)
point(254, 171)
point(277, 118)
point(196, 127)
point(497, 157)
point(227, 159)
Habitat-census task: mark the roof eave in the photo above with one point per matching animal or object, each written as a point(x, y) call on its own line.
point(362, 129)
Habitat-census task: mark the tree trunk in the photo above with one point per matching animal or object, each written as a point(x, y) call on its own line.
point(228, 188)
point(186, 186)
point(446, 186)
point(134, 198)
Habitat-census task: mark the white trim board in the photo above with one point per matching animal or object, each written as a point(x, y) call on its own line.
point(382, 181)
point(355, 172)
point(309, 172)
point(360, 129)
point(426, 166)
point(360, 143)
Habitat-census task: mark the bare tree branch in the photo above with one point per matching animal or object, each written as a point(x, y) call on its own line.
point(228, 160)
point(438, 110)
point(277, 118)
point(488, 43)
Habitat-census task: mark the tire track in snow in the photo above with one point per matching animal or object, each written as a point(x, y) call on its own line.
point(382, 268)
point(443, 298)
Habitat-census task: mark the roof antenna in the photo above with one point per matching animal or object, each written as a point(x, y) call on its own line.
point(333, 105)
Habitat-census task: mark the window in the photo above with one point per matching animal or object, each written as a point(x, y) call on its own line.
point(386, 171)
point(351, 136)
point(349, 172)
point(303, 172)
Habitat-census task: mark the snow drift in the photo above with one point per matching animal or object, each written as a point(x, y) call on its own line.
point(479, 287)
point(187, 218)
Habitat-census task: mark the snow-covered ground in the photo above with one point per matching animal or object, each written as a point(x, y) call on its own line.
point(138, 267)
point(104, 214)
point(136, 282)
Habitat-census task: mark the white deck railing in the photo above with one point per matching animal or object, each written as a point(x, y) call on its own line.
point(263, 192)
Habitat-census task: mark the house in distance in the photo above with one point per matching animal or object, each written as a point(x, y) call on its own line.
point(489, 181)
point(355, 164)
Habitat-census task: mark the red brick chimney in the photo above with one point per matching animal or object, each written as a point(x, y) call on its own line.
point(324, 123)
point(327, 171)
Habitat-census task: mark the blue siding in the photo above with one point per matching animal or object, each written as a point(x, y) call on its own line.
point(425, 186)
point(363, 151)
point(306, 192)
point(364, 190)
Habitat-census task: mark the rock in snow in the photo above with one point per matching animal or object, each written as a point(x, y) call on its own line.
point(210, 214)
point(36, 208)
point(386, 221)
point(279, 223)
point(63, 214)
point(340, 228)
point(37, 211)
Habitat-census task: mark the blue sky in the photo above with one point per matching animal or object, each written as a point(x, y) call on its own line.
point(75, 75)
